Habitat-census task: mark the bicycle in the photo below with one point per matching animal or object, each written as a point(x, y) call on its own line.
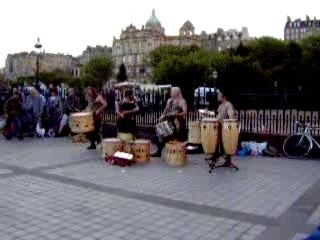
point(299, 144)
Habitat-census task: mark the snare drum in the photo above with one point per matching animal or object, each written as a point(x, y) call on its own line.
point(164, 129)
point(230, 135)
point(209, 134)
point(81, 122)
point(141, 150)
point(194, 134)
point(175, 154)
point(110, 146)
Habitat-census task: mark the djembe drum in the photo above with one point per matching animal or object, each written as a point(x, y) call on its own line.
point(81, 122)
point(175, 154)
point(194, 133)
point(209, 134)
point(230, 135)
point(164, 129)
point(141, 150)
point(125, 137)
point(110, 146)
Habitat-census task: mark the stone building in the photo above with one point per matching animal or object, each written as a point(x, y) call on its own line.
point(222, 40)
point(24, 64)
point(134, 44)
point(299, 29)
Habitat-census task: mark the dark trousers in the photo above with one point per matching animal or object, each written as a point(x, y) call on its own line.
point(94, 135)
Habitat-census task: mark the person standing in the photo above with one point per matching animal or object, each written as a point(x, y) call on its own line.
point(126, 110)
point(175, 112)
point(225, 111)
point(12, 112)
point(34, 108)
point(96, 104)
point(54, 107)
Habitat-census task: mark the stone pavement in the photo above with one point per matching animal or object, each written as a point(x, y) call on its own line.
point(55, 189)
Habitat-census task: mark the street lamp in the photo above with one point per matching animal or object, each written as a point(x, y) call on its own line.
point(38, 45)
point(214, 76)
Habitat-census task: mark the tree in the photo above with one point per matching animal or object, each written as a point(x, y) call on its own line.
point(122, 74)
point(97, 71)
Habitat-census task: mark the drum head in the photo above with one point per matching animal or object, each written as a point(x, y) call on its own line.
point(230, 120)
point(142, 141)
point(209, 120)
point(111, 140)
point(81, 114)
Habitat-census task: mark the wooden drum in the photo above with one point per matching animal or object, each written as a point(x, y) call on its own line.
point(81, 122)
point(175, 154)
point(141, 150)
point(194, 134)
point(230, 135)
point(209, 134)
point(110, 146)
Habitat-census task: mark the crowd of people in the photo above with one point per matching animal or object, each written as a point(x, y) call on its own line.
point(28, 111)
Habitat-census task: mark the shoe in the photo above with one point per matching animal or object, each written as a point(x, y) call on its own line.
point(20, 136)
point(157, 154)
point(91, 147)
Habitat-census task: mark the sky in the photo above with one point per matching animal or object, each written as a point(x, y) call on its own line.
point(69, 26)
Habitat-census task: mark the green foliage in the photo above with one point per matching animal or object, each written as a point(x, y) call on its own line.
point(96, 72)
point(122, 75)
point(264, 65)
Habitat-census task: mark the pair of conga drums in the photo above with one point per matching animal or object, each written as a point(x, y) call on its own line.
point(206, 133)
point(140, 148)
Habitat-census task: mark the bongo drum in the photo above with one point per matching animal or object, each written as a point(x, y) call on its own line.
point(194, 134)
point(125, 137)
point(230, 135)
point(175, 154)
point(209, 134)
point(81, 122)
point(110, 146)
point(141, 150)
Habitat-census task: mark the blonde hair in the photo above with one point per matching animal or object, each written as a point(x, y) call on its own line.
point(176, 91)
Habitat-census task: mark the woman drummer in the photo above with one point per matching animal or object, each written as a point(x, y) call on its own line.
point(175, 112)
point(96, 104)
point(126, 110)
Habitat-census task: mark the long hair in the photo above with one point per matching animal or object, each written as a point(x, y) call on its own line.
point(177, 91)
point(93, 92)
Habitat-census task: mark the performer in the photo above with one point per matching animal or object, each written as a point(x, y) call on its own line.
point(175, 112)
point(72, 104)
point(126, 110)
point(225, 111)
point(96, 104)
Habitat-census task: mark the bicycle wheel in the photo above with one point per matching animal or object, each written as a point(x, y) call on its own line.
point(297, 146)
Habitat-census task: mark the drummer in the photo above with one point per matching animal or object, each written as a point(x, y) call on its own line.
point(126, 110)
point(175, 112)
point(225, 111)
point(96, 104)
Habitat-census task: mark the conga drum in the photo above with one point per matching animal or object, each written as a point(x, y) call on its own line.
point(175, 154)
point(141, 150)
point(209, 134)
point(194, 133)
point(230, 135)
point(110, 146)
point(125, 137)
point(81, 122)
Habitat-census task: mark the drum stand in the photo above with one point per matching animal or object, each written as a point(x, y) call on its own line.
point(213, 161)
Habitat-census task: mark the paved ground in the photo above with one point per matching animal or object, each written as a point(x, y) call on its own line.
point(55, 189)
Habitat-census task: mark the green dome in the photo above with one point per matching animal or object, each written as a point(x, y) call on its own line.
point(153, 20)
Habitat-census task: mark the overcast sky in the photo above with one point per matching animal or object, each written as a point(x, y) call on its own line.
point(68, 26)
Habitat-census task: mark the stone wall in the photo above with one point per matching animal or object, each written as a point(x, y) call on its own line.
point(24, 64)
